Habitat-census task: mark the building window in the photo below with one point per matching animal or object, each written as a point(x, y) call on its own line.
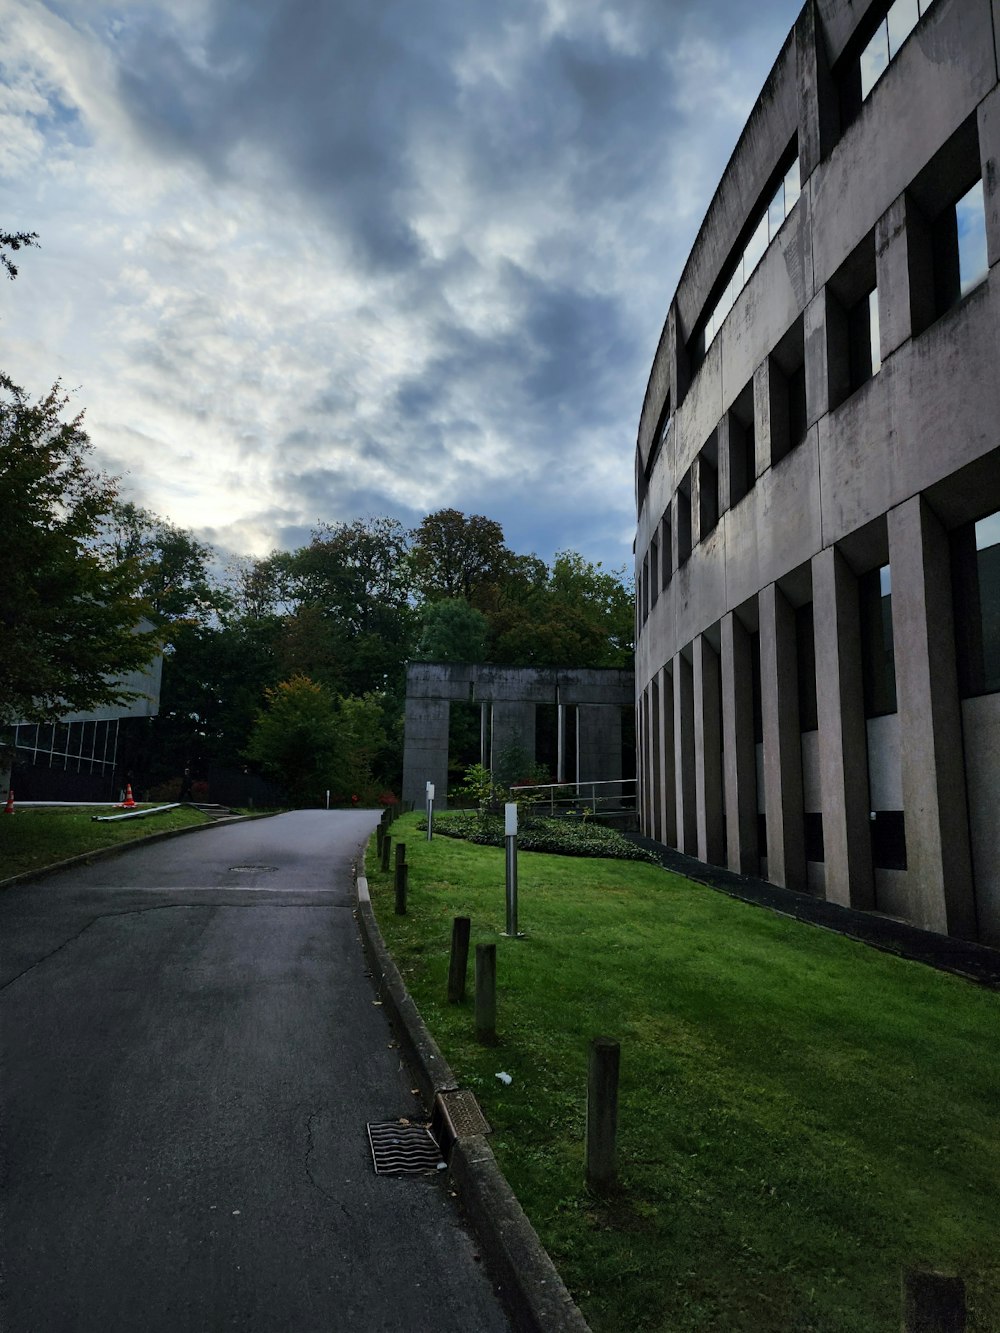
point(853, 342)
point(708, 487)
point(645, 589)
point(813, 824)
point(742, 446)
point(764, 229)
point(684, 519)
point(878, 666)
point(970, 224)
point(889, 36)
point(976, 574)
point(888, 828)
point(654, 572)
point(787, 392)
point(666, 548)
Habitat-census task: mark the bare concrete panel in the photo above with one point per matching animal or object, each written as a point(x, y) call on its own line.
point(684, 775)
point(708, 752)
point(786, 858)
point(989, 150)
point(738, 748)
point(842, 740)
point(600, 745)
point(934, 801)
point(425, 753)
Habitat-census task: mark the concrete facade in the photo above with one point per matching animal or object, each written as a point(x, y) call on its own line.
point(818, 453)
point(591, 701)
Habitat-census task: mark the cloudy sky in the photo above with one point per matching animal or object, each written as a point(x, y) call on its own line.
point(308, 260)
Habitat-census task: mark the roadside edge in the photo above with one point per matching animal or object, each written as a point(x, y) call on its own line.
point(533, 1293)
point(105, 853)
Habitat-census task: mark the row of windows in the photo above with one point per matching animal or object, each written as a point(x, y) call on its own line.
point(975, 568)
point(764, 231)
point(889, 36)
point(953, 240)
point(79, 747)
point(859, 77)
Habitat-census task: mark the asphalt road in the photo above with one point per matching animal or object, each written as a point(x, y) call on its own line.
point(191, 1055)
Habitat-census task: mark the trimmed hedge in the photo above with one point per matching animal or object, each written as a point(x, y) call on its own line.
point(538, 833)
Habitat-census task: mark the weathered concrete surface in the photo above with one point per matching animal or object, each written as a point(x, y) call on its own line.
point(192, 1054)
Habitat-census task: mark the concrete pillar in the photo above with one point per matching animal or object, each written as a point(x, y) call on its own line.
point(600, 742)
point(740, 766)
point(818, 107)
point(939, 867)
point(684, 776)
point(843, 746)
point(708, 753)
point(426, 751)
point(989, 151)
point(669, 811)
point(645, 768)
point(513, 724)
point(770, 410)
point(786, 858)
point(656, 759)
point(904, 272)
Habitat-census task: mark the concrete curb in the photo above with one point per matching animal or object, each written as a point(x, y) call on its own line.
point(533, 1293)
point(105, 853)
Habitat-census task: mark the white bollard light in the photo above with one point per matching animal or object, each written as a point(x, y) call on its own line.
point(510, 840)
point(430, 811)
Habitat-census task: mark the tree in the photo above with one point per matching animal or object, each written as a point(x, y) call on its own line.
point(174, 564)
point(297, 739)
point(452, 631)
point(14, 240)
point(69, 614)
point(456, 556)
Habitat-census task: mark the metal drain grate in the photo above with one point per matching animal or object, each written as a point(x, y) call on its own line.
point(401, 1148)
point(463, 1113)
point(249, 870)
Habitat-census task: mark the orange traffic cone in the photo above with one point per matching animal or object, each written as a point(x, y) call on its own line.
point(129, 802)
point(9, 807)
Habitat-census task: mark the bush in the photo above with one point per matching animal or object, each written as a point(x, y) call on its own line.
point(540, 834)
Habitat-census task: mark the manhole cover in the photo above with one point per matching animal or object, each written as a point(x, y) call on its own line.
point(401, 1148)
point(249, 870)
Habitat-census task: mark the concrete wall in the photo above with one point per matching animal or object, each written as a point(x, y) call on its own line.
point(509, 697)
point(882, 475)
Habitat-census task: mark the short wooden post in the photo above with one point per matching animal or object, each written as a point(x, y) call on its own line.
point(486, 994)
point(602, 1112)
point(379, 838)
point(459, 963)
point(386, 844)
point(402, 876)
point(933, 1302)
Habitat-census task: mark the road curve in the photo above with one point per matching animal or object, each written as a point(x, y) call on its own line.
point(191, 1055)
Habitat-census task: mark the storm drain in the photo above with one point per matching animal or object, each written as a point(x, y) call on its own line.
point(250, 870)
point(401, 1148)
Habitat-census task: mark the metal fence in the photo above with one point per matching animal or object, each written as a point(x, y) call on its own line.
point(615, 799)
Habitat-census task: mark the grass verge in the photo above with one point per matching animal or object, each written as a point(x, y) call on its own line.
point(33, 839)
point(800, 1117)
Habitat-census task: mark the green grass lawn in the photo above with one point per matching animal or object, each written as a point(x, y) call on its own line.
point(799, 1118)
point(31, 839)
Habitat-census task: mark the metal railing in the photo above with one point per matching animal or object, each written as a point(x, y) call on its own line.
point(615, 798)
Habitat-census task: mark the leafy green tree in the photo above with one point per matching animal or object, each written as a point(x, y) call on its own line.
point(363, 736)
point(452, 631)
point(457, 556)
point(69, 614)
point(174, 564)
point(298, 739)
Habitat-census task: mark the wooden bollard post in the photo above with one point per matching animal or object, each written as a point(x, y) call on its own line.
point(458, 966)
point(379, 838)
point(402, 875)
point(486, 994)
point(933, 1302)
point(602, 1112)
point(386, 844)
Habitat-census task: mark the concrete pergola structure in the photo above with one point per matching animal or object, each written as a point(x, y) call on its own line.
point(508, 698)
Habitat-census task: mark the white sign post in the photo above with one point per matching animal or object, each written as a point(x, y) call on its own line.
point(510, 840)
point(430, 811)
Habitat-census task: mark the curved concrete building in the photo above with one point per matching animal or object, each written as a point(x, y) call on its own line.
point(818, 481)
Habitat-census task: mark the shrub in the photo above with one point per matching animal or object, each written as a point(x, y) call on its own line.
point(541, 834)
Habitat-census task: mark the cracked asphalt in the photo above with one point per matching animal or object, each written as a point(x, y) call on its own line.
point(191, 1054)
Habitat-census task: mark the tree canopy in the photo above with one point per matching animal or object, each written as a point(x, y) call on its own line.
point(70, 612)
